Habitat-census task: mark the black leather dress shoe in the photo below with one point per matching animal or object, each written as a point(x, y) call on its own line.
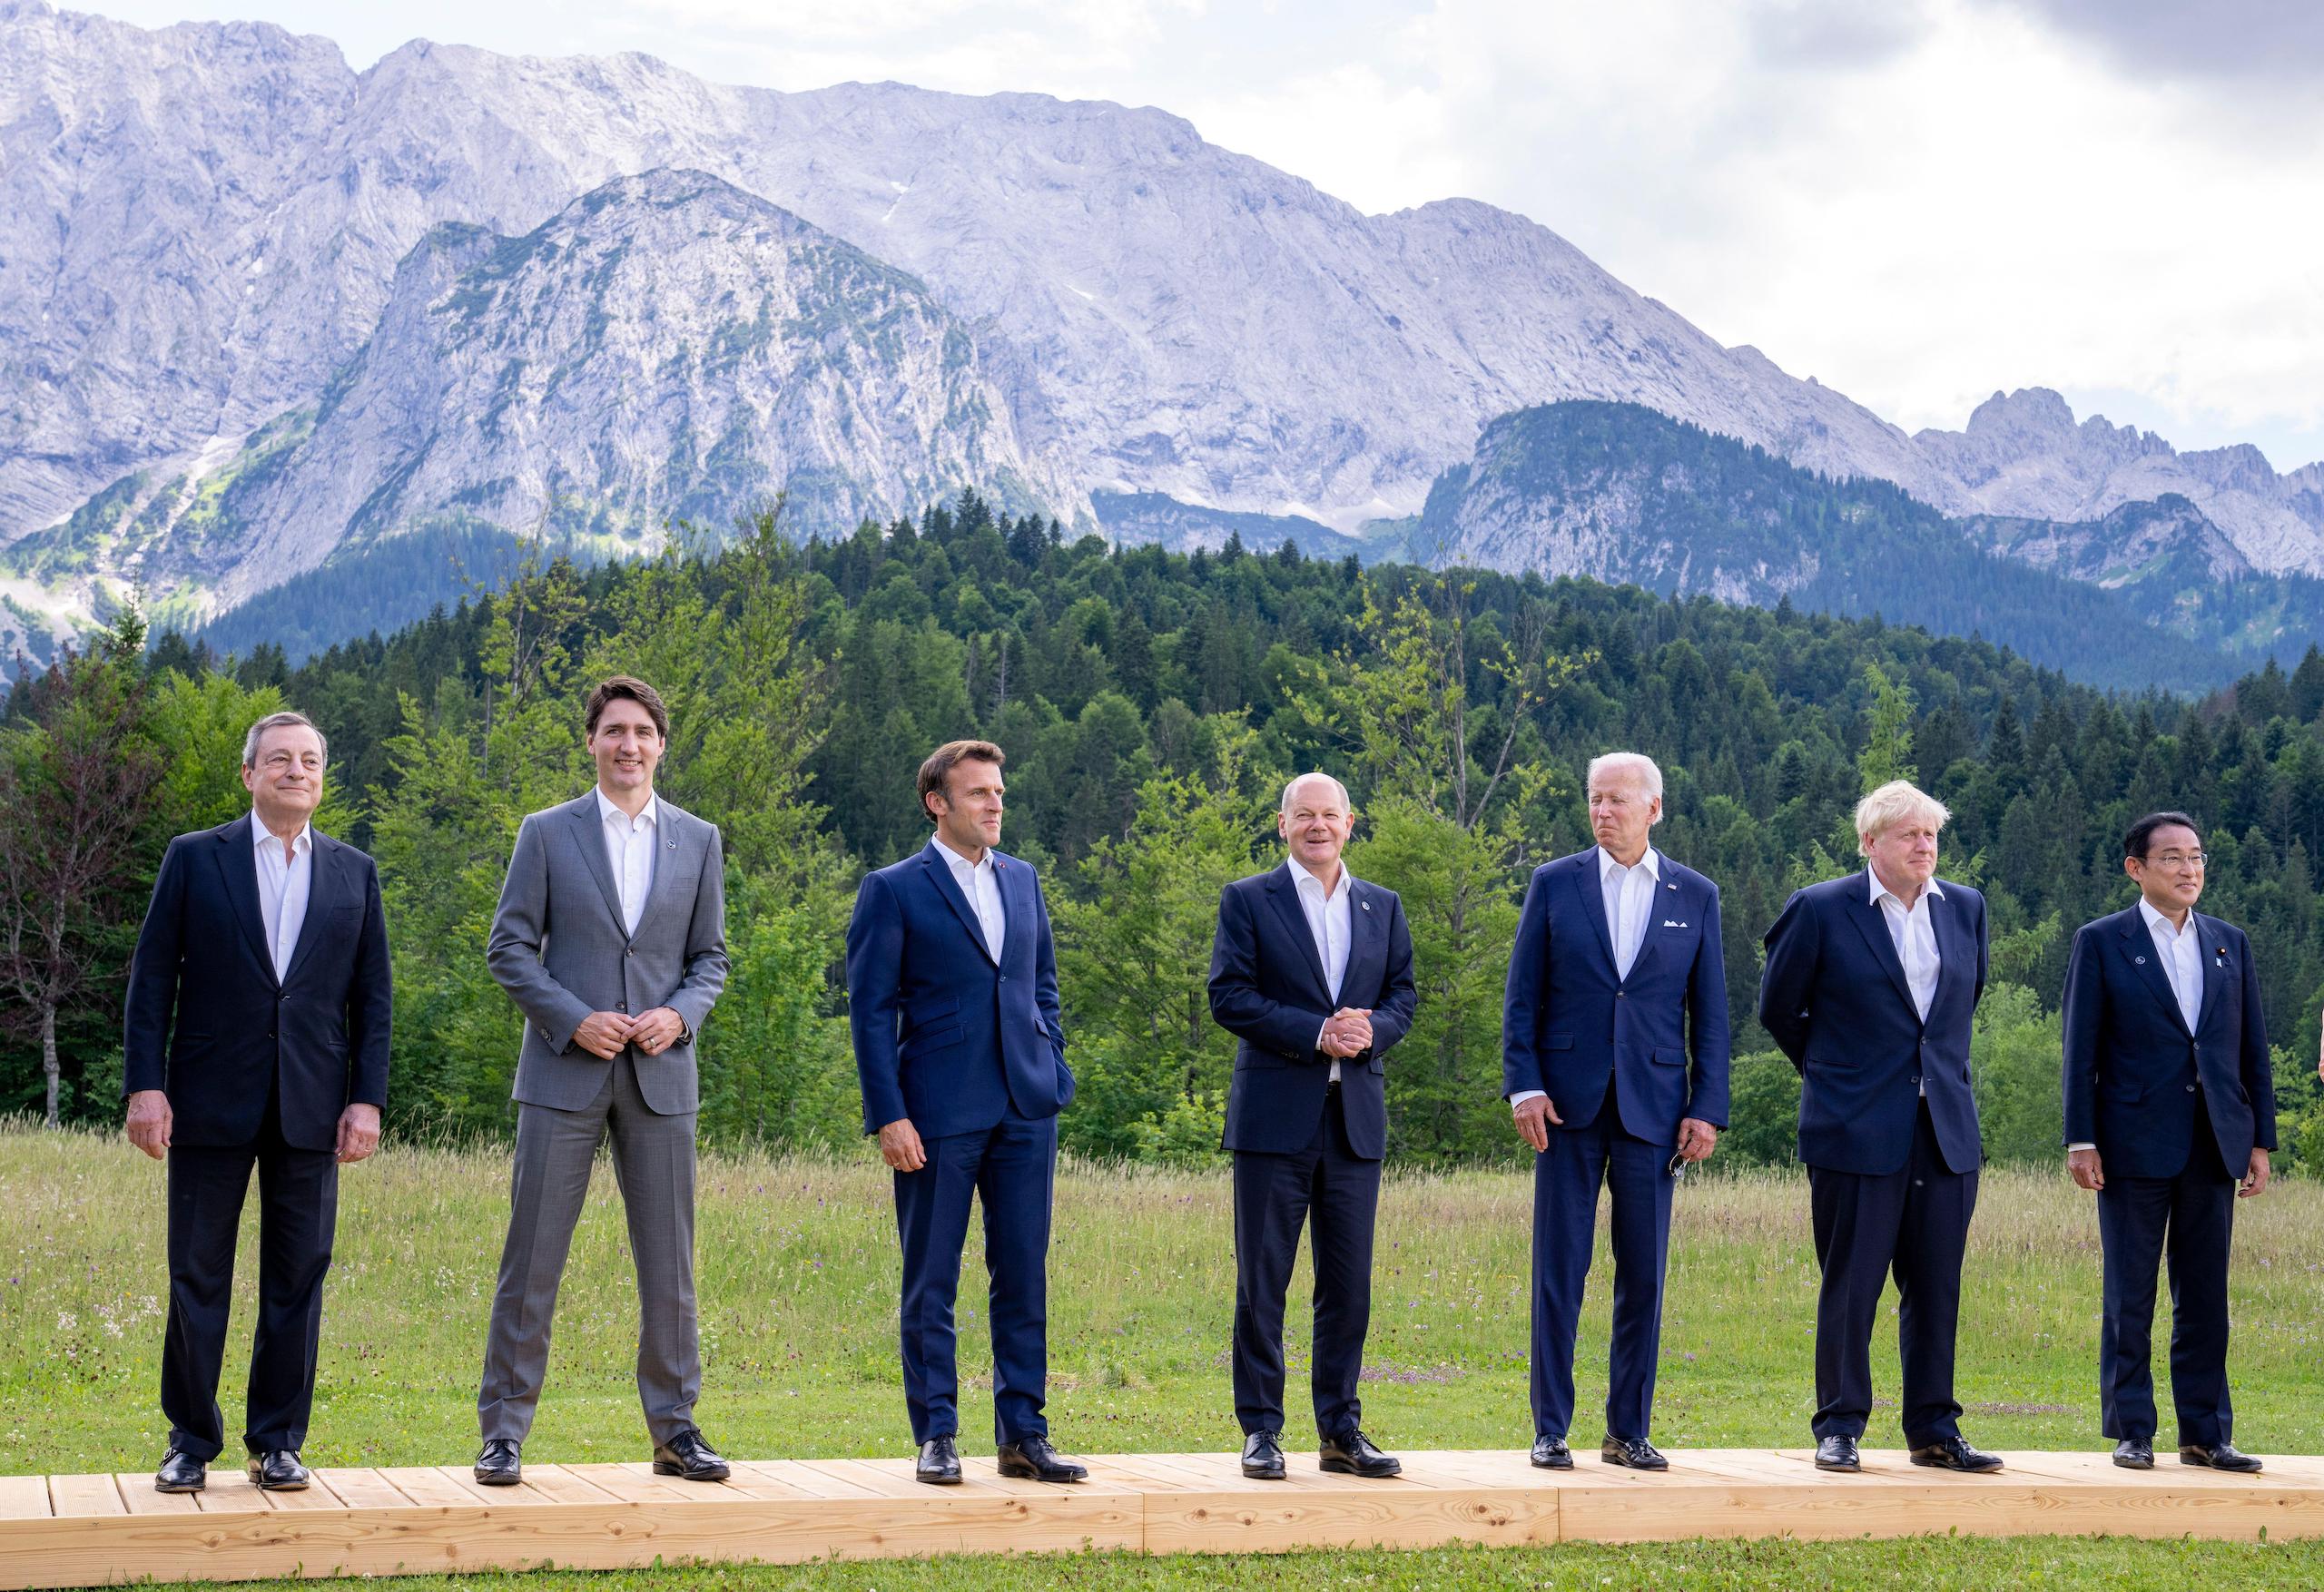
point(180, 1472)
point(278, 1470)
point(1633, 1452)
point(1837, 1453)
point(498, 1464)
point(1032, 1459)
point(1550, 1453)
point(939, 1464)
point(1955, 1454)
point(689, 1457)
point(2219, 1457)
point(1351, 1453)
point(2134, 1453)
point(1263, 1457)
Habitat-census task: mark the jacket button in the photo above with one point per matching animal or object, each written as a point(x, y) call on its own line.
point(621, 1005)
point(1915, 1080)
point(630, 951)
point(2191, 1088)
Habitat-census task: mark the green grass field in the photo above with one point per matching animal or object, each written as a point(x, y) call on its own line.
point(798, 1280)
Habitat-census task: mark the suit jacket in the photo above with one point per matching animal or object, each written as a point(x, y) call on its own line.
point(1570, 1025)
point(210, 1025)
point(944, 1035)
point(1268, 988)
point(2133, 1072)
point(559, 949)
point(1833, 995)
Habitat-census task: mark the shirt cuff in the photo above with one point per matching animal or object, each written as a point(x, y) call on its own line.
point(1522, 1095)
point(2072, 1148)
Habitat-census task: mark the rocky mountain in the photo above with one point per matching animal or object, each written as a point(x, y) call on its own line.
point(666, 346)
point(1619, 492)
point(2023, 456)
point(206, 232)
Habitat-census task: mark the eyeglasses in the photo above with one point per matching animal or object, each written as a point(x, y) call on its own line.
point(1679, 1165)
point(2176, 860)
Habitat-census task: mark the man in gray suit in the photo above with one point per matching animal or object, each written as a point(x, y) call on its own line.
point(611, 939)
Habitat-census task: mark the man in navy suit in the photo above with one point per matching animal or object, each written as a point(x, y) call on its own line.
point(951, 980)
point(1616, 984)
point(256, 1035)
point(1870, 983)
point(2170, 1114)
point(1312, 972)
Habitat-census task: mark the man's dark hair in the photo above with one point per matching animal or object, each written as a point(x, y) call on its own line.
point(2142, 833)
point(934, 771)
point(627, 688)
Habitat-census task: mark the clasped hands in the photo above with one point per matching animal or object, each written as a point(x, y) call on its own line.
point(1347, 1034)
point(603, 1034)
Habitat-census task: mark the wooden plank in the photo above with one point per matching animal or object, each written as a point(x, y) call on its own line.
point(26, 1498)
point(565, 1484)
point(425, 1484)
point(85, 1495)
point(137, 1491)
point(317, 1495)
point(360, 1522)
point(363, 1489)
point(816, 1483)
point(232, 1492)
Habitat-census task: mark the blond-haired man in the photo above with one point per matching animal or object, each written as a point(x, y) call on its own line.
point(1870, 983)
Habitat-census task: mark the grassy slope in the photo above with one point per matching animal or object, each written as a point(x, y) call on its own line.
point(797, 1282)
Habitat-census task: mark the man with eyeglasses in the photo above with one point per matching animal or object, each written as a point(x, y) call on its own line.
point(2170, 1114)
point(1617, 983)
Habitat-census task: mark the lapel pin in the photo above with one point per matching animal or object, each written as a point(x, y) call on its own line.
point(2140, 960)
point(1367, 906)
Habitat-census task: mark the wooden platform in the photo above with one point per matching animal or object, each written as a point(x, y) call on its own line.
point(90, 1530)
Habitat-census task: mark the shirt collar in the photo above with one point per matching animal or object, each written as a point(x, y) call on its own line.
point(1651, 862)
point(1931, 892)
point(2157, 923)
point(1300, 871)
point(649, 815)
point(944, 850)
point(262, 837)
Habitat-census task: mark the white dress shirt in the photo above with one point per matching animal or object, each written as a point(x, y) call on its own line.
point(1914, 934)
point(2180, 952)
point(982, 886)
point(1331, 924)
point(1629, 897)
point(630, 844)
point(283, 885)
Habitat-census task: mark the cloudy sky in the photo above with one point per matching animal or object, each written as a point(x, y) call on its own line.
point(1916, 201)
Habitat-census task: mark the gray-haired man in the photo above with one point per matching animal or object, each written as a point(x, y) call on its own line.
point(611, 939)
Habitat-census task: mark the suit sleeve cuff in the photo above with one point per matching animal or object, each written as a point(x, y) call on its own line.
point(1522, 1095)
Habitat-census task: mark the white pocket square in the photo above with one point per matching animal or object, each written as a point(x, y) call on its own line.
point(1668, 923)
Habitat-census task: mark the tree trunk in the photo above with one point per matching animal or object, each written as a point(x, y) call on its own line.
point(48, 1063)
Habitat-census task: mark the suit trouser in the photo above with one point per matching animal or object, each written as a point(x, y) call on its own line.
point(653, 1158)
point(1915, 1223)
point(1335, 1195)
point(1011, 1168)
point(297, 1216)
point(2190, 1217)
point(1566, 1179)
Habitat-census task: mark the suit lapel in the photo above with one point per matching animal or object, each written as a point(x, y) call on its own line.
point(238, 870)
point(1014, 926)
point(1870, 923)
point(1284, 892)
point(1593, 903)
point(590, 831)
point(322, 893)
point(2207, 949)
point(1367, 944)
point(668, 821)
point(1664, 901)
point(1954, 960)
point(2146, 961)
point(940, 878)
